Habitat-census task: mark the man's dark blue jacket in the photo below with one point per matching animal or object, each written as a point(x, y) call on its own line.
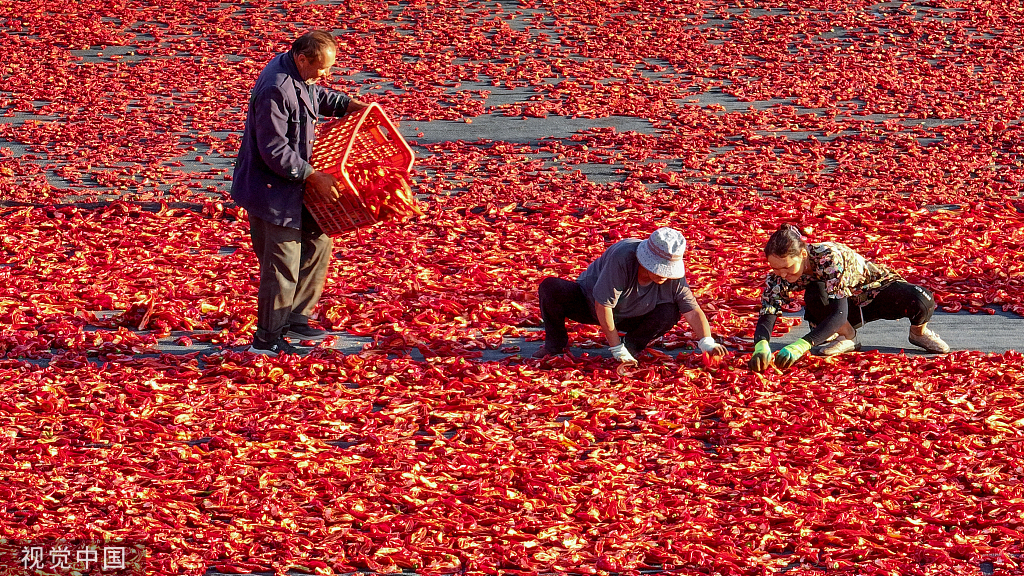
point(273, 160)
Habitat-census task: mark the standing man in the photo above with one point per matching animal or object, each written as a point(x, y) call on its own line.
point(637, 287)
point(272, 173)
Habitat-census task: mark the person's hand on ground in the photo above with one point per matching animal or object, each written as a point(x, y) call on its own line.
point(324, 186)
point(708, 346)
point(622, 355)
point(790, 354)
point(762, 356)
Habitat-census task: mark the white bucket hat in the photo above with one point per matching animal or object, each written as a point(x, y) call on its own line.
point(662, 253)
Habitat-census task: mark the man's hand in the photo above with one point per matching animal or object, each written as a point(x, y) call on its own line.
point(708, 346)
point(762, 356)
point(324, 186)
point(622, 355)
point(356, 106)
point(790, 354)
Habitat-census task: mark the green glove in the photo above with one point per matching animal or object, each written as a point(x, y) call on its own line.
point(762, 356)
point(790, 354)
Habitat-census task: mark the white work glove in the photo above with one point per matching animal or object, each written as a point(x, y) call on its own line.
point(622, 355)
point(707, 345)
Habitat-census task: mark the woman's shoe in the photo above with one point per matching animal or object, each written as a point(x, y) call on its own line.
point(930, 341)
point(841, 345)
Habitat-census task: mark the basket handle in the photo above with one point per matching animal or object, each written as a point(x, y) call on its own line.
point(385, 132)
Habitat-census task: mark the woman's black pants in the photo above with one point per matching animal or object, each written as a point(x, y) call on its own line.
point(895, 301)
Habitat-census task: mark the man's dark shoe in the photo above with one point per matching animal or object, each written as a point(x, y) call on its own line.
point(305, 332)
point(544, 352)
point(275, 348)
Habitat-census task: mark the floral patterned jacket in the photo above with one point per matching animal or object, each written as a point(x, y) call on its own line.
point(846, 274)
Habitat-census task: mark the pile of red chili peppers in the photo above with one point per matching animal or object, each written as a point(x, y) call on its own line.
point(385, 191)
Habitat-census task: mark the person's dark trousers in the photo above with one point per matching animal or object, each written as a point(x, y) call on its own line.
point(818, 307)
point(895, 301)
point(564, 299)
point(899, 300)
point(293, 268)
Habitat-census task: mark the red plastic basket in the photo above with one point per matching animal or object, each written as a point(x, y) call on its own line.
point(354, 139)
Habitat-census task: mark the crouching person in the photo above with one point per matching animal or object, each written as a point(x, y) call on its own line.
point(637, 287)
point(842, 292)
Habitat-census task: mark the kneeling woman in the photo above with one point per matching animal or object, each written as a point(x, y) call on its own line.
point(842, 292)
point(636, 286)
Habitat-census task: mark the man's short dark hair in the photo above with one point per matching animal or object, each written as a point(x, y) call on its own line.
point(314, 45)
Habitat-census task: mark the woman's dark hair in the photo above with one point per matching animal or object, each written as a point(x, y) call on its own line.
point(785, 242)
point(314, 45)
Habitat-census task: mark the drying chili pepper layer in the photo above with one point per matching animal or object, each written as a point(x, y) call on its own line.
point(458, 279)
point(339, 463)
point(921, 98)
